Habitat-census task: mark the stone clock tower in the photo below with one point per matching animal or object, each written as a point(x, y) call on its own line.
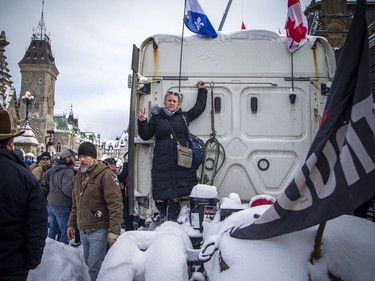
point(38, 76)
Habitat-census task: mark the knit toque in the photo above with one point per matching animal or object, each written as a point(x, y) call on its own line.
point(87, 149)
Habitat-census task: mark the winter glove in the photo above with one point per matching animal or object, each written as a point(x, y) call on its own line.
point(112, 237)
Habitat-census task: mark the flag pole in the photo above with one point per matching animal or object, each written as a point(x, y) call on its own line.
point(182, 44)
point(291, 59)
point(316, 254)
point(225, 15)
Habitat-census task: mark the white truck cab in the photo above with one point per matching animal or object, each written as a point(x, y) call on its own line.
point(263, 109)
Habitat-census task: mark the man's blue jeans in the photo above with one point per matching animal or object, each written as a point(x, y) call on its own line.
point(58, 221)
point(94, 250)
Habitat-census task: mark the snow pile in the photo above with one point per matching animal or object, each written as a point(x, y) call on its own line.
point(347, 251)
point(204, 191)
point(148, 255)
point(60, 262)
point(233, 201)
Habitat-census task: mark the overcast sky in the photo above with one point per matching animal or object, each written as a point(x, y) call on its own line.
point(92, 43)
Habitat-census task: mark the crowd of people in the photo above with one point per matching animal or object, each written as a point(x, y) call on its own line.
point(75, 199)
point(86, 203)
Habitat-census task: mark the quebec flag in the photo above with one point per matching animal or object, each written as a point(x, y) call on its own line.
point(196, 20)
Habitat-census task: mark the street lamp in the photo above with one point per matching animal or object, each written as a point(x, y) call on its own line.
point(27, 98)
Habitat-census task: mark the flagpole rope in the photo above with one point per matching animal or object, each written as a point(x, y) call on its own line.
point(242, 10)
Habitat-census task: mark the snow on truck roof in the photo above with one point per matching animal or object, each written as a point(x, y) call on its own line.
point(236, 35)
point(245, 34)
point(235, 54)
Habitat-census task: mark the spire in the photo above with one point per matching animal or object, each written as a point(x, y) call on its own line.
point(71, 111)
point(71, 119)
point(39, 51)
point(5, 77)
point(41, 31)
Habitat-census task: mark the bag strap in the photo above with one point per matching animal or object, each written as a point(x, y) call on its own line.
point(187, 126)
point(173, 133)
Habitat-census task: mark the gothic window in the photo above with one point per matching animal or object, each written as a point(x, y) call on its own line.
point(36, 105)
point(58, 147)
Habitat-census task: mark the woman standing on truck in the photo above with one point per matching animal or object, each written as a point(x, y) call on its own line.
point(170, 182)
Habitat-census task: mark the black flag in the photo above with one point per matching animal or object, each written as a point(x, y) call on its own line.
point(339, 172)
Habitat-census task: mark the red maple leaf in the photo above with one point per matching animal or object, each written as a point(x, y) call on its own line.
point(298, 33)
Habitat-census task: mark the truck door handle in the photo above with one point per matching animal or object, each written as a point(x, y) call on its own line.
point(217, 104)
point(254, 104)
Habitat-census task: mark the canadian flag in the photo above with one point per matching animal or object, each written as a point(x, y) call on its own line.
point(296, 26)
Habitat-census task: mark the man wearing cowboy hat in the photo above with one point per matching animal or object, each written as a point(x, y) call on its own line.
point(23, 219)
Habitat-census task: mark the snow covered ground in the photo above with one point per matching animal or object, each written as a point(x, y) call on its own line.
point(348, 251)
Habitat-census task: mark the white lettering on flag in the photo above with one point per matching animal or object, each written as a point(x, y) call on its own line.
point(339, 172)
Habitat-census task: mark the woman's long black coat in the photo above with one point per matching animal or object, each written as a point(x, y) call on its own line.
point(169, 180)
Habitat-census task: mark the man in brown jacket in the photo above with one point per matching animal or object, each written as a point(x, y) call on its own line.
point(96, 208)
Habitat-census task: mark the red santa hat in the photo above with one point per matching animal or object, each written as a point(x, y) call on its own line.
point(259, 200)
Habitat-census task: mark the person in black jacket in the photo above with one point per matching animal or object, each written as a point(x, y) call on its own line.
point(127, 218)
point(23, 220)
point(170, 182)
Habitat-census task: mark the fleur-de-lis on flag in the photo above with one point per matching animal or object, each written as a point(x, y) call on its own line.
point(199, 23)
point(196, 20)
